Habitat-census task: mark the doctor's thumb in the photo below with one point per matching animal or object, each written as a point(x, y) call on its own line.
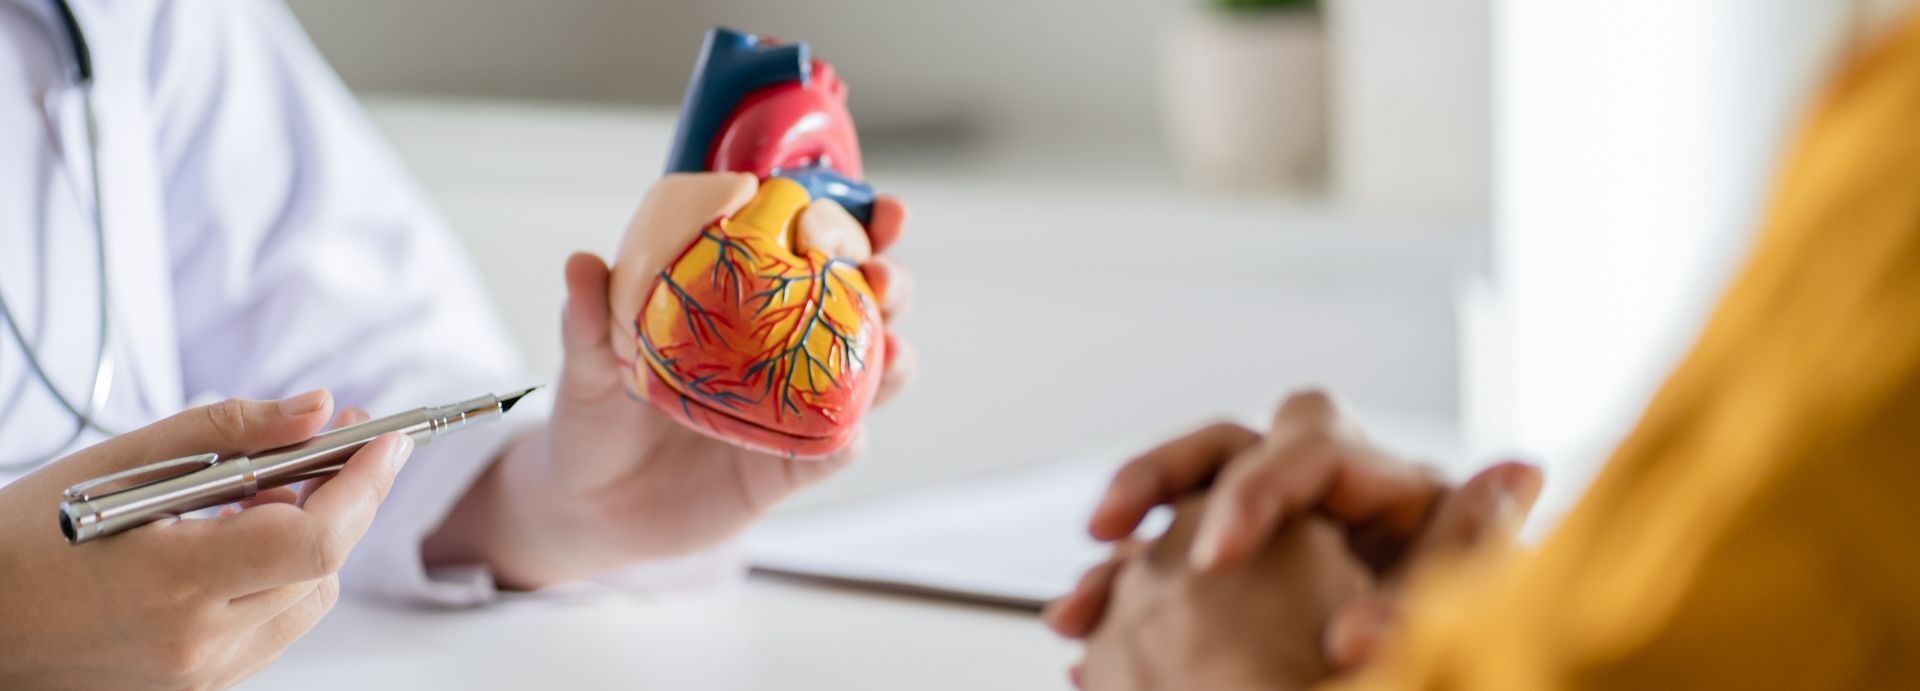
point(583, 322)
point(589, 371)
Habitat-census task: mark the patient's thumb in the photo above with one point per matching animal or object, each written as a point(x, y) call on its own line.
point(1356, 629)
point(1491, 505)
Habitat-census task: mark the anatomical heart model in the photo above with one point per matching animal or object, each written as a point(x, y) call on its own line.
point(738, 302)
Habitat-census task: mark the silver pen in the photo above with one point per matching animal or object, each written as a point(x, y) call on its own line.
point(93, 509)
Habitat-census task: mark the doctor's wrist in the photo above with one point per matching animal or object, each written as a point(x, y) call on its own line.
point(521, 524)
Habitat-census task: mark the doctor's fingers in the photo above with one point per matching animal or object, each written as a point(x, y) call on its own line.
point(589, 362)
point(584, 318)
point(276, 495)
point(280, 544)
point(889, 222)
point(892, 285)
point(1165, 472)
point(347, 418)
point(272, 637)
point(826, 227)
point(903, 363)
point(257, 609)
point(233, 426)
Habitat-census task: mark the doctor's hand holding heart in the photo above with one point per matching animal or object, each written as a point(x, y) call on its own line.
point(615, 479)
point(729, 355)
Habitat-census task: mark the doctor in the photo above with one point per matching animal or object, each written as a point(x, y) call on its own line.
point(192, 207)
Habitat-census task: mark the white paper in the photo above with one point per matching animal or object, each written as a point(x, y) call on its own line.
point(1016, 537)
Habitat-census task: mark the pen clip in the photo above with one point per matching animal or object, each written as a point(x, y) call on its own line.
point(85, 490)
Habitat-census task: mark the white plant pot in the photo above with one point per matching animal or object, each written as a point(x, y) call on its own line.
point(1244, 98)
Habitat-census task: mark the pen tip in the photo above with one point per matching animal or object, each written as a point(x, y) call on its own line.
point(508, 400)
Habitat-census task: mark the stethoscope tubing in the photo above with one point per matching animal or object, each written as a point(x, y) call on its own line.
point(103, 370)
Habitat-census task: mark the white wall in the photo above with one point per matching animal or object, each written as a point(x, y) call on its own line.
point(1054, 65)
point(1636, 141)
point(1409, 101)
point(1412, 99)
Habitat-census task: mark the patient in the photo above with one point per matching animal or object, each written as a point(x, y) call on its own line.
point(1757, 530)
point(1180, 627)
point(1284, 558)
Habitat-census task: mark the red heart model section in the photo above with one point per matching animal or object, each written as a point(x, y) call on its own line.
point(751, 341)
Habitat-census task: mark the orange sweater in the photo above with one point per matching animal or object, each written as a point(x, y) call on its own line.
point(1760, 529)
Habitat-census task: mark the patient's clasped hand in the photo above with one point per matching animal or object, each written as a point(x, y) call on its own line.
point(740, 307)
point(1286, 557)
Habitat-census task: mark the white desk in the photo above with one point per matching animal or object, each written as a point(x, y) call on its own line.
point(764, 634)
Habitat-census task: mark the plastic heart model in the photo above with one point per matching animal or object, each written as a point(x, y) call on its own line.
point(738, 303)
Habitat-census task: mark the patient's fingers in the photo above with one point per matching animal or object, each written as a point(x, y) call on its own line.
point(1365, 485)
point(1167, 471)
point(1356, 629)
point(1077, 613)
point(1491, 505)
point(1313, 457)
point(1354, 484)
point(1488, 506)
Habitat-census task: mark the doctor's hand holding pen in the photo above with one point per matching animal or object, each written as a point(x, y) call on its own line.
point(185, 603)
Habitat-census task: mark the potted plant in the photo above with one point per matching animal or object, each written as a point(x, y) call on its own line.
point(1244, 93)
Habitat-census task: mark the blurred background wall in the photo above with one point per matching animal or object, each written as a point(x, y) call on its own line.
point(1589, 173)
point(1636, 145)
point(1032, 139)
point(1408, 96)
point(1052, 67)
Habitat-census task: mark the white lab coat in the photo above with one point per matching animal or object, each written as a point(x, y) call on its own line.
point(262, 241)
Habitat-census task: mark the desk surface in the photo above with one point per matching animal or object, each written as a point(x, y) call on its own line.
point(763, 634)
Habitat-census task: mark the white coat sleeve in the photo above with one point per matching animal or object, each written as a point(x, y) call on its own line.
point(304, 256)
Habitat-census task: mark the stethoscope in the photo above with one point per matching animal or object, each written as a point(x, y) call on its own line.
point(83, 414)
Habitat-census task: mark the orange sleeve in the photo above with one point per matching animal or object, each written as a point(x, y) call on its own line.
point(1760, 528)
